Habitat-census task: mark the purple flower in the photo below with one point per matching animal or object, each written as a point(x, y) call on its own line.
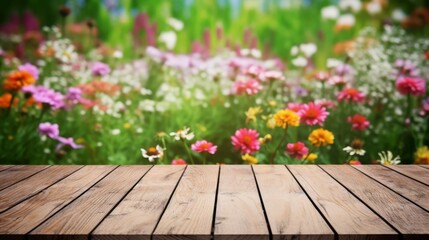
point(405, 68)
point(74, 94)
point(49, 129)
point(33, 70)
point(45, 95)
point(66, 142)
point(100, 69)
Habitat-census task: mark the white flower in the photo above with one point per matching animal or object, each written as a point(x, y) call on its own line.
point(346, 20)
point(169, 38)
point(152, 153)
point(386, 158)
point(175, 24)
point(116, 131)
point(398, 15)
point(332, 62)
point(308, 49)
point(182, 134)
point(294, 50)
point(353, 151)
point(299, 62)
point(373, 7)
point(118, 54)
point(330, 12)
point(354, 5)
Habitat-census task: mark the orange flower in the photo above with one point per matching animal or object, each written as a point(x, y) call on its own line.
point(18, 79)
point(5, 100)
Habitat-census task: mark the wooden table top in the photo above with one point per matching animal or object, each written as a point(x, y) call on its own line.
point(211, 201)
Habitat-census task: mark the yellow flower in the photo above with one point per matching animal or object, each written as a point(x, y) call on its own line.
point(265, 139)
point(422, 155)
point(271, 122)
point(286, 118)
point(251, 114)
point(272, 103)
point(311, 157)
point(80, 141)
point(321, 137)
point(249, 159)
point(127, 125)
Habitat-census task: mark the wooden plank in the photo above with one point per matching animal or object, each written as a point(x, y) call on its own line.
point(33, 185)
point(4, 167)
point(407, 187)
point(349, 217)
point(27, 215)
point(80, 217)
point(290, 213)
point(18, 173)
point(239, 212)
point(190, 211)
point(137, 215)
point(424, 166)
point(402, 214)
point(413, 171)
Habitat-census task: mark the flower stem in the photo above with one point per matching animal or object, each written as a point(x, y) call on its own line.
point(188, 152)
point(11, 104)
point(165, 149)
point(273, 155)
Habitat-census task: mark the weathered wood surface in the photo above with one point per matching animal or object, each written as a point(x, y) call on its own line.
point(214, 202)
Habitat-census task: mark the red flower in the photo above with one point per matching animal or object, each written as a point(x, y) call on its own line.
point(410, 85)
point(359, 122)
point(178, 161)
point(351, 95)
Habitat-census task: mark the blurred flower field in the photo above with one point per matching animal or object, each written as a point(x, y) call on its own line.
point(214, 82)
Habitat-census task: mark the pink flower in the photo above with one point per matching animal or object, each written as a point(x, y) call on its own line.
point(100, 69)
point(359, 122)
point(351, 94)
point(297, 150)
point(312, 114)
point(49, 129)
point(249, 87)
point(254, 71)
point(67, 142)
point(296, 107)
point(246, 140)
point(271, 76)
point(33, 70)
point(410, 85)
point(178, 161)
point(204, 146)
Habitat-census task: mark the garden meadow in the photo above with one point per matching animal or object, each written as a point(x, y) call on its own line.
point(256, 82)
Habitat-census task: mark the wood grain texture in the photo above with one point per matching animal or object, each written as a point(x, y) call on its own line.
point(4, 167)
point(290, 213)
point(349, 217)
point(34, 184)
point(407, 187)
point(398, 211)
point(17, 173)
point(189, 214)
point(27, 215)
point(239, 212)
point(424, 166)
point(137, 215)
point(80, 217)
point(413, 171)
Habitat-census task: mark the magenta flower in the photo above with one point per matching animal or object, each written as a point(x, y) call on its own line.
point(297, 150)
point(246, 140)
point(30, 68)
point(410, 85)
point(249, 87)
point(49, 129)
point(63, 142)
point(100, 69)
point(312, 114)
point(204, 146)
point(74, 95)
point(351, 95)
point(46, 96)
